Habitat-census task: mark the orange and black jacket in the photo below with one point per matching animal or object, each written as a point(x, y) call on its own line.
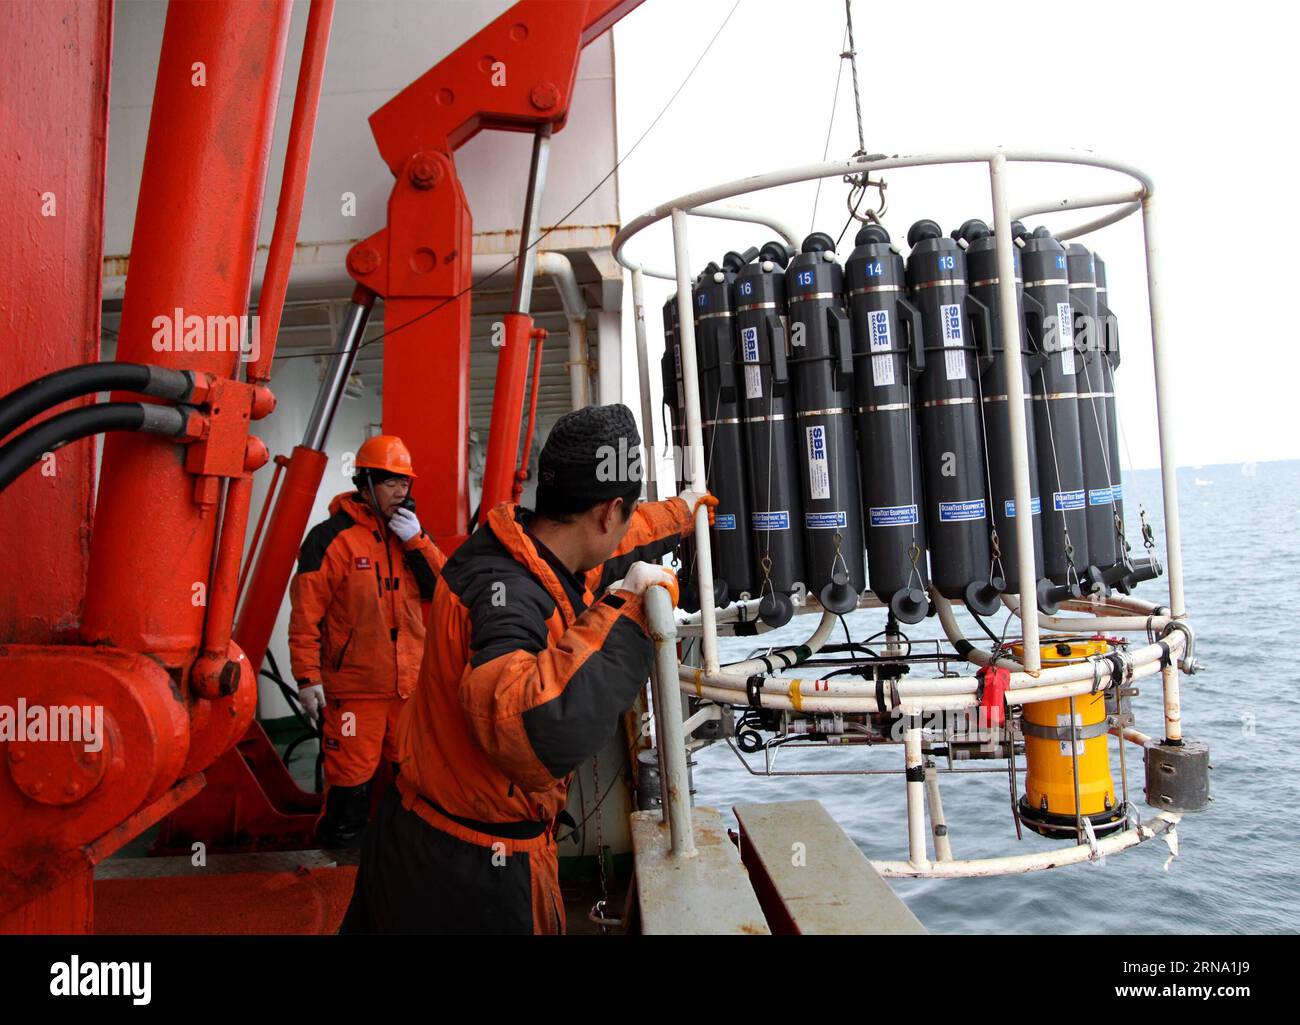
point(359, 601)
point(524, 677)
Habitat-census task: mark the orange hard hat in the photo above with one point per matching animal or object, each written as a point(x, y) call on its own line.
point(385, 452)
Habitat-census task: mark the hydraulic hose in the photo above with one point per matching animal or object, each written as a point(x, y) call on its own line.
point(44, 393)
point(75, 424)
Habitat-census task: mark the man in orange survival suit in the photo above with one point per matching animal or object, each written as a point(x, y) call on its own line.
point(525, 676)
point(356, 633)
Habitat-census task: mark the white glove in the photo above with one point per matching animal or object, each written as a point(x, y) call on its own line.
point(404, 524)
point(313, 700)
point(643, 575)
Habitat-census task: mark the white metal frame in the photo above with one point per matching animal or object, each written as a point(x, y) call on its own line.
point(1030, 682)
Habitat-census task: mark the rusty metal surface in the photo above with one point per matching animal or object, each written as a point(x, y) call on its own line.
point(708, 894)
point(803, 859)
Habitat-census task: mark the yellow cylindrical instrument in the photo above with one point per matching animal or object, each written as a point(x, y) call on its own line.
point(1053, 746)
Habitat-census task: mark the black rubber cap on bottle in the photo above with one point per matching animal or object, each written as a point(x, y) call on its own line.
point(819, 242)
point(972, 230)
point(909, 605)
point(778, 252)
point(983, 597)
point(1018, 229)
point(776, 609)
point(733, 261)
point(1042, 231)
point(1048, 597)
point(923, 230)
point(871, 233)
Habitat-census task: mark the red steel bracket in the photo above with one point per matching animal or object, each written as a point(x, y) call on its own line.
point(516, 74)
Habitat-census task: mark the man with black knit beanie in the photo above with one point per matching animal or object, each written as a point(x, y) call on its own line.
point(536, 646)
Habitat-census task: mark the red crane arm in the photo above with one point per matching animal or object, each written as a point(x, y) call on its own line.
point(517, 74)
point(513, 75)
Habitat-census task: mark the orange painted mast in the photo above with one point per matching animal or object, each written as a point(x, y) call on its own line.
point(163, 561)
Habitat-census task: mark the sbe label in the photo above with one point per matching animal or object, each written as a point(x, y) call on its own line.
point(819, 477)
point(882, 367)
point(749, 353)
point(954, 362)
point(1065, 322)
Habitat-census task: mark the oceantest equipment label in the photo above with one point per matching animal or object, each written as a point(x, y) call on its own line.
point(893, 515)
point(954, 362)
point(725, 521)
point(825, 520)
point(1009, 507)
point(1064, 501)
point(749, 353)
point(775, 519)
point(1101, 496)
point(882, 367)
point(955, 512)
point(819, 475)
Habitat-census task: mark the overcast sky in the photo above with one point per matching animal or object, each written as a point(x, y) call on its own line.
point(1200, 96)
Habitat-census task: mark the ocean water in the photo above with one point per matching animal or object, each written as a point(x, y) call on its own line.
point(1239, 867)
